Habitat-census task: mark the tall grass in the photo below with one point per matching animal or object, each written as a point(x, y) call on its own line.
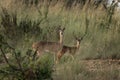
point(102, 40)
point(35, 21)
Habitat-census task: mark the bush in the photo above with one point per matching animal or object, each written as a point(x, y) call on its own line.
point(16, 29)
point(24, 67)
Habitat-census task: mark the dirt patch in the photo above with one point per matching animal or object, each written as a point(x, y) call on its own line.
point(95, 65)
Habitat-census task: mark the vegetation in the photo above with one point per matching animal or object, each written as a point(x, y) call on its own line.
point(92, 70)
point(26, 21)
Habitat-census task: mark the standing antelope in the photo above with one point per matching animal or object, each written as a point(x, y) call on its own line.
point(70, 49)
point(43, 46)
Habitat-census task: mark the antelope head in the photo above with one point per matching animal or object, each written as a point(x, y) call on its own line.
point(61, 32)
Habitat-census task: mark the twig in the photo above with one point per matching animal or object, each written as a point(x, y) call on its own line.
point(6, 60)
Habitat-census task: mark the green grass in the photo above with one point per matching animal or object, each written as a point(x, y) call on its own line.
point(101, 42)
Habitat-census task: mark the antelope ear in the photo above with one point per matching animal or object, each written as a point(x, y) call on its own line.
point(63, 28)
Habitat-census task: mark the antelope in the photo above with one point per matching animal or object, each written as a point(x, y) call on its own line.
point(72, 50)
point(45, 46)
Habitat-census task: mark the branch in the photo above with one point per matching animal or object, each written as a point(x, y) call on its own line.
point(6, 60)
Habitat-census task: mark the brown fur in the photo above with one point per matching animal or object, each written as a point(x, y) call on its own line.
point(43, 46)
point(70, 49)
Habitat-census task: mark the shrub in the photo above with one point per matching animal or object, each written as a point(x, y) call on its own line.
point(24, 67)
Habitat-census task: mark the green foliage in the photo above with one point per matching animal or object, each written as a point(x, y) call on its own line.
point(22, 26)
point(18, 28)
point(24, 67)
point(101, 41)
